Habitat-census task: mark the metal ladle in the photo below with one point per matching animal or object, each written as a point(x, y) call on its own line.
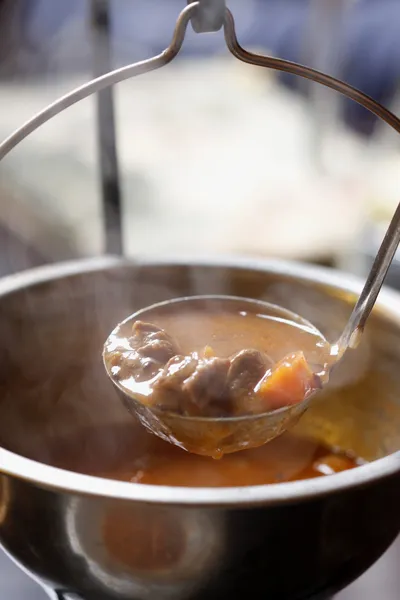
point(223, 435)
point(204, 435)
point(213, 15)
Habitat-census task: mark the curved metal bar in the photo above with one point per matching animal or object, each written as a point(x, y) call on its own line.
point(100, 83)
point(390, 243)
point(279, 64)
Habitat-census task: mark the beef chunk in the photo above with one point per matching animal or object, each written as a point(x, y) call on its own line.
point(159, 350)
point(141, 368)
point(192, 386)
point(151, 347)
point(168, 393)
point(206, 387)
point(153, 342)
point(246, 369)
point(177, 370)
point(141, 330)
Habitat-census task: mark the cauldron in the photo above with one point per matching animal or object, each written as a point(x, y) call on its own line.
point(289, 541)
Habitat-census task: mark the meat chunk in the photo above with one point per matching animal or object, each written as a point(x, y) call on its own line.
point(159, 350)
point(151, 347)
point(246, 369)
point(141, 330)
point(132, 364)
point(206, 387)
point(153, 342)
point(177, 370)
point(193, 386)
point(168, 393)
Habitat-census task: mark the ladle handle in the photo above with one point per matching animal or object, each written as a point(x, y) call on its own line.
point(376, 277)
point(63, 595)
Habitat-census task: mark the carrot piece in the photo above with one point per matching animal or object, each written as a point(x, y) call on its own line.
point(289, 382)
point(208, 352)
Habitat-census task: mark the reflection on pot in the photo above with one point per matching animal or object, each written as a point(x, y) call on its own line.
point(146, 551)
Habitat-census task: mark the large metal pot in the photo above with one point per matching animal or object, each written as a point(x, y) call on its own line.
point(290, 541)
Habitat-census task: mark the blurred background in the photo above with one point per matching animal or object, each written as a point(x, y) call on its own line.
point(214, 156)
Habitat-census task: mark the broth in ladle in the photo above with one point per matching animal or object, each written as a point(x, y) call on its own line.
point(206, 373)
point(217, 358)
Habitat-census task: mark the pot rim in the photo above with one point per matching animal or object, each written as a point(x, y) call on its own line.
point(56, 479)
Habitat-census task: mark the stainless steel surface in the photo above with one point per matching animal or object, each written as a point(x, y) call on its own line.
point(381, 580)
point(209, 15)
point(233, 541)
point(212, 436)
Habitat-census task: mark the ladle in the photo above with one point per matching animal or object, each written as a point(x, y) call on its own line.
point(218, 436)
point(205, 435)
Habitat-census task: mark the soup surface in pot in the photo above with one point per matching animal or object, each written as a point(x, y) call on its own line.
point(288, 458)
point(144, 458)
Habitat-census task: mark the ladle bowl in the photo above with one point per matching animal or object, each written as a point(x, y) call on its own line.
point(205, 435)
point(290, 541)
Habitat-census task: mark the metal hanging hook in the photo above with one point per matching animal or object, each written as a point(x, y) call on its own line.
point(189, 13)
point(209, 16)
